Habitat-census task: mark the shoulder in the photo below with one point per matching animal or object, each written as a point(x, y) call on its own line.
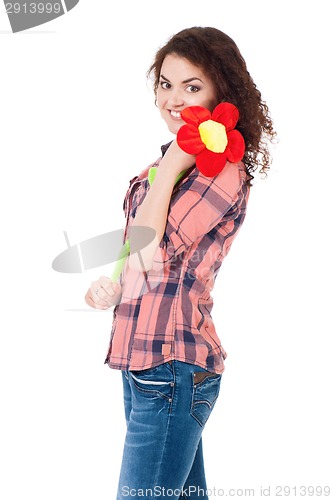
point(226, 184)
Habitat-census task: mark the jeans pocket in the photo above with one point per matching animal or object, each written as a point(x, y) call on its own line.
point(206, 387)
point(155, 381)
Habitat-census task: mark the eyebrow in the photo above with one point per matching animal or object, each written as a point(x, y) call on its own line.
point(184, 81)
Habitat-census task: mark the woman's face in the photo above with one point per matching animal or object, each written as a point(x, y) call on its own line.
point(182, 84)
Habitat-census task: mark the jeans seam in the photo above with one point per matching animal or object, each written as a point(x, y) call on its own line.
point(164, 443)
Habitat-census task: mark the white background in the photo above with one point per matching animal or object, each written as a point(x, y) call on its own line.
point(77, 121)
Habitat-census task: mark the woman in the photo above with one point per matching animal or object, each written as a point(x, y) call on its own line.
point(163, 337)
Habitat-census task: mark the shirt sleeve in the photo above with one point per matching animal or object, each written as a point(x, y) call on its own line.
point(197, 207)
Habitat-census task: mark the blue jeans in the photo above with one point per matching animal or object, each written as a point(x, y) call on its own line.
point(166, 409)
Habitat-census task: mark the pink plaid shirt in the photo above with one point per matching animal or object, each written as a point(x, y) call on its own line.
point(165, 313)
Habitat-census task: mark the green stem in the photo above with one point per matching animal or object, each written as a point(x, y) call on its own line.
point(125, 250)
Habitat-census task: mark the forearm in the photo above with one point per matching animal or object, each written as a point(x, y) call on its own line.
point(152, 214)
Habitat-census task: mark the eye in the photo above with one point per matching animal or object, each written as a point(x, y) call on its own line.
point(164, 85)
point(193, 88)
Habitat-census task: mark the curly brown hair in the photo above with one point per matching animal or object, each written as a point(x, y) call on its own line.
point(219, 57)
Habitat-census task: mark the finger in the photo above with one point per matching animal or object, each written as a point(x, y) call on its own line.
point(89, 300)
point(109, 287)
point(104, 292)
point(97, 293)
point(98, 296)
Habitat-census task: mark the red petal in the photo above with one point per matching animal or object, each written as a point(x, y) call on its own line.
point(195, 115)
point(236, 146)
point(189, 140)
point(210, 163)
point(227, 114)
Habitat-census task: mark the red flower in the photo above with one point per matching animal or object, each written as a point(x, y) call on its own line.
point(210, 136)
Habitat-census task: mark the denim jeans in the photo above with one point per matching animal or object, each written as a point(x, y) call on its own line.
point(166, 409)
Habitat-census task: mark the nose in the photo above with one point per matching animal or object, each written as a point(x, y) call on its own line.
point(175, 98)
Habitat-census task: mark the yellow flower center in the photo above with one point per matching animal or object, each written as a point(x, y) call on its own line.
point(213, 135)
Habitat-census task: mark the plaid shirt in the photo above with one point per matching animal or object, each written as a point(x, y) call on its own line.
point(165, 313)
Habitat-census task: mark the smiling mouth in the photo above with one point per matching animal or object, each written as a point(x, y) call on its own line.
point(175, 114)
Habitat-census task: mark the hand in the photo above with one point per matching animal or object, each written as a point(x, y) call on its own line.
point(176, 160)
point(103, 293)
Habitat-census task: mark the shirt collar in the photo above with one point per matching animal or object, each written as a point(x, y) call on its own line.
point(165, 147)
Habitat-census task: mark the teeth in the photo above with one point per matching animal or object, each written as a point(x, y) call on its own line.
point(176, 114)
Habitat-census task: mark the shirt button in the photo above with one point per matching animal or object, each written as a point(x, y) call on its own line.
point(170, 400)
point(171, 384)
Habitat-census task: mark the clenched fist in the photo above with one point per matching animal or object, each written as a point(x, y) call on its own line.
point(103, 293)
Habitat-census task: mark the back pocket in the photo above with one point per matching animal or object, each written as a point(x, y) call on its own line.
point(204, 395)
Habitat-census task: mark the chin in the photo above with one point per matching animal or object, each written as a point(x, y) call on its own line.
point(174, 128)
